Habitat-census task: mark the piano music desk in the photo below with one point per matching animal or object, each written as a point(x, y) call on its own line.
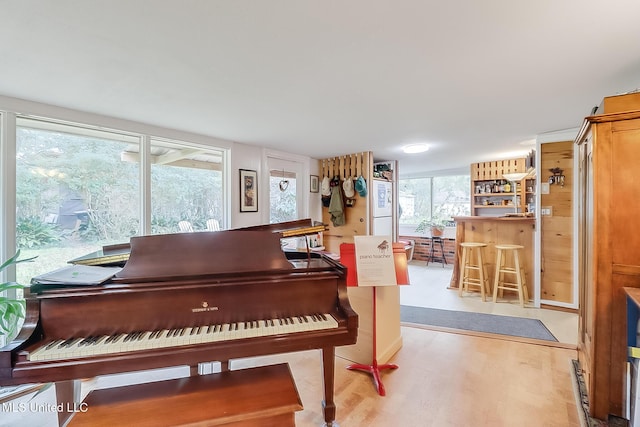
point(264, 396)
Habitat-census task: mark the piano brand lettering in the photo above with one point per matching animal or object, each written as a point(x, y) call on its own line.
point(204, 307)
point(44, 407)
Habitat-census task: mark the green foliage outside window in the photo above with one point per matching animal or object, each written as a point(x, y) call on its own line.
point(78, 190)
point(433, 200)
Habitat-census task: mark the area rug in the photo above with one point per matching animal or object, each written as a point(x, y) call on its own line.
point(477, 322)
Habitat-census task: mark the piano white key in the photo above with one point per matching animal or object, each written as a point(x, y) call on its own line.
point(211, 334)
point(42, 352)
point(192, 335)
point(225, 333)
point(93, 347)
point(66, 349)
point(141, 342)
point(197, 335)
point(115, 344)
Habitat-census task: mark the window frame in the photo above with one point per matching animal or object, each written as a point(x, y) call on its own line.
point(408, 229)
point(92, 125)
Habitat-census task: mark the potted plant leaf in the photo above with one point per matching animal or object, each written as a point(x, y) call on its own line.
point(12, 310)
point(434, 225)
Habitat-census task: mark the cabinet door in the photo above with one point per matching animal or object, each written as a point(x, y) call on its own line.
point(625, 192)
point(624, 244)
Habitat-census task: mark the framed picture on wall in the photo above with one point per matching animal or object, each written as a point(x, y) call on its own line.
point(248, 190)
point(314, 186)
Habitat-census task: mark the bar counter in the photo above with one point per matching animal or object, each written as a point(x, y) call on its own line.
point(495, 231)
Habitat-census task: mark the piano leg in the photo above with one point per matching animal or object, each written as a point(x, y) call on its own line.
point(328, 370)
point(67, 395)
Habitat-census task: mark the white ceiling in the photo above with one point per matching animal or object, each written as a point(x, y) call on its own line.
point(475, 79)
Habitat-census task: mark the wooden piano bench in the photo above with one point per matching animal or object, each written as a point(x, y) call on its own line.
point(263, 396)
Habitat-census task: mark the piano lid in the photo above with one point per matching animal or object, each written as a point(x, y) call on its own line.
point(119, 254)
point(165, 257)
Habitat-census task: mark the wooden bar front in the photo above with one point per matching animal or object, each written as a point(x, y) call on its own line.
point(495, 231)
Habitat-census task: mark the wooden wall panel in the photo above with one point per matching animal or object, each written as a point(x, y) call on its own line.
point(352, 165)
point(557, 229)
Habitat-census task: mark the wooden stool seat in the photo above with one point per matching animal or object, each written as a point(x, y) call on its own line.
point(467, 265)
point(256, 397)
point(515, 270)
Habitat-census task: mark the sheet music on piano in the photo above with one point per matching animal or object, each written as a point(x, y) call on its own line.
point(77, 275)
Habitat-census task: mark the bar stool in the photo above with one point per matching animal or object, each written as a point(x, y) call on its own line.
point(432, 255)
point(516, 270)
point(469, 249)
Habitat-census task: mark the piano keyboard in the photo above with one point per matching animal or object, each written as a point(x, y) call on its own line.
point(147, 340)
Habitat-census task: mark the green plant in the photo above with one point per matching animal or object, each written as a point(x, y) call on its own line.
point(31, 232)
point(12, 310)
point(428, 224)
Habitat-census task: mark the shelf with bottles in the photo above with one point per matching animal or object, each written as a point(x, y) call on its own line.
point(492, 187)
point(499, 196)
point(504, 200)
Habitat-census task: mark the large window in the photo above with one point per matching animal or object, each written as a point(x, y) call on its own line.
point(186, 187)
point(74, 194)
point(78, 188)
point(432, 199)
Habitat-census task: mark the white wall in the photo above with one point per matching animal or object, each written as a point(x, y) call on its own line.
point(246, 157)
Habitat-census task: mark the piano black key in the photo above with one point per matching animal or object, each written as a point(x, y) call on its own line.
point(53, 344)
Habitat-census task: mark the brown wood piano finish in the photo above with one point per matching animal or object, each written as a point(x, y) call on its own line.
point(188, 280)
point(263, 396)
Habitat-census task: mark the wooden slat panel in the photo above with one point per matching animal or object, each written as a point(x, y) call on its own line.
point(353, 165)
point(557, 230)
point(497, 168)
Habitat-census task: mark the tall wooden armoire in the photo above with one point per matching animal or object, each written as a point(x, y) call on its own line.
point(609, 246)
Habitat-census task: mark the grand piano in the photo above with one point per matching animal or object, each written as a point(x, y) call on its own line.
point(187, 298)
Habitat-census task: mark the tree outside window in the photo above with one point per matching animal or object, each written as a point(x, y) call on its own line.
point(78, 189)
point(435, 199)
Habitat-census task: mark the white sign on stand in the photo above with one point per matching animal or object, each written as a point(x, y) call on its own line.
point(374, 261)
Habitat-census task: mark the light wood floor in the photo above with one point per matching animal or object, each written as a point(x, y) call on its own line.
point(445, 379)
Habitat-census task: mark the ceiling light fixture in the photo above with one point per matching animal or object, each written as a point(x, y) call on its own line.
point(415, 148)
